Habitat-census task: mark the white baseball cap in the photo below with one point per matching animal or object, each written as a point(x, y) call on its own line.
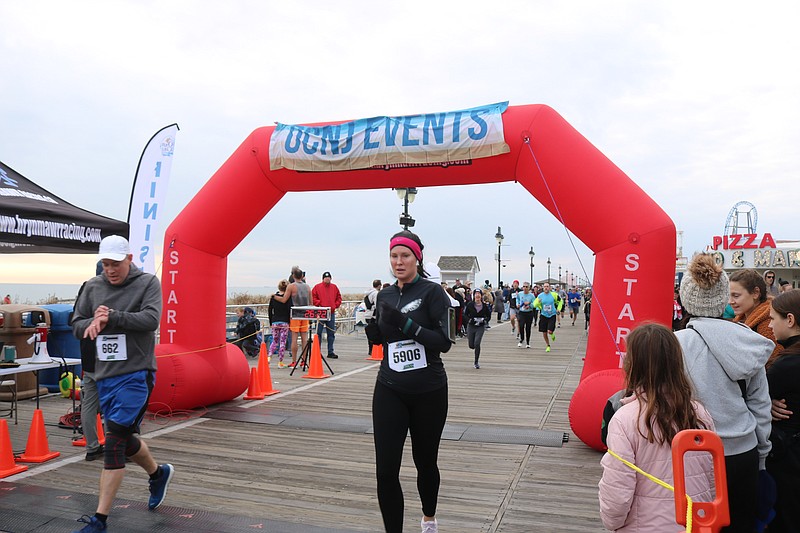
point(114, 247)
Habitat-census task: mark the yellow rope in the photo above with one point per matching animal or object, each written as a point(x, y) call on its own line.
point(217, 347)
point(663, 484)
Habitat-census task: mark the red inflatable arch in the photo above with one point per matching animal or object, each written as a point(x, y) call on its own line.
point(632, 237)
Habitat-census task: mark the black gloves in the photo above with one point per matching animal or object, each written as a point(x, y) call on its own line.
point(392, 316)
point(373, 332)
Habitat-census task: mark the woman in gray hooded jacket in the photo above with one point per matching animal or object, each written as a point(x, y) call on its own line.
point(725, 362)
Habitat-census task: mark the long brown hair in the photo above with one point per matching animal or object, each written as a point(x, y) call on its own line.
point(654, 370)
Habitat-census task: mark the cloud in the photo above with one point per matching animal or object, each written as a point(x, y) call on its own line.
point(695, 102)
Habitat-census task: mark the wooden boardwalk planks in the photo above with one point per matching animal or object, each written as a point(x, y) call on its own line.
point(326, 478)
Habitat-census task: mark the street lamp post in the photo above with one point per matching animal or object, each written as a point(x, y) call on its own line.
point(499, 238)
point(548, 270)
point(559, 274)
point(566, 277)
point(531, 254)
point(408, 196)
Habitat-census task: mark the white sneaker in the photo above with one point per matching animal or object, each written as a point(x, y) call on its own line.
point(519, 345)
point(527, 345)
point(430, 527)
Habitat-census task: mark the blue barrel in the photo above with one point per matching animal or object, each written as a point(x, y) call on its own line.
point(60, 343)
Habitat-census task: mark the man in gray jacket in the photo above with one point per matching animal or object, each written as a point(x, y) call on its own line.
point(725, 362)
point(120, 310)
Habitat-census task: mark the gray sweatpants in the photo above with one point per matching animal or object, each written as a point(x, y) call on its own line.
point(90, 406)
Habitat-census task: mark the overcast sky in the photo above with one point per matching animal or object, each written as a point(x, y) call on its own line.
point(697, 102)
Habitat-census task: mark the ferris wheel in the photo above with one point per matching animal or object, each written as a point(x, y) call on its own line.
point(742, 218)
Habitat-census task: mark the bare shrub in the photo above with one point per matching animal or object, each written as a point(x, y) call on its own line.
point(243, 298)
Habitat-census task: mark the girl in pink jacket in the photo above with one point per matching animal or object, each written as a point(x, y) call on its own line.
point(657, 405)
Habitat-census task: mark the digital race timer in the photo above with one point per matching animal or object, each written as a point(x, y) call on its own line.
point(308, 312)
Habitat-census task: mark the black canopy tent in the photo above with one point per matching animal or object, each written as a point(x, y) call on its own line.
point(33, 220)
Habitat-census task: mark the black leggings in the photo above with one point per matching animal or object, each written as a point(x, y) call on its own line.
point(474, 337)
point(525, 319)
point(785, 468)
point(742, 475)
point(393, 415)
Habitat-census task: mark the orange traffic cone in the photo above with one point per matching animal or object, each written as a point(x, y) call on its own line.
point(254, 390)
point(7, 465)
point(377, 353)
point(101, 437)
point(315, 366)
point(264, 375)
point(37, 450)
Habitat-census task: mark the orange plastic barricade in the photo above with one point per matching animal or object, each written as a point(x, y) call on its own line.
point(706, 517)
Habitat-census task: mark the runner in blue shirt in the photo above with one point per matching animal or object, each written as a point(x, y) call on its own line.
point(550, 304)
point(574, 300)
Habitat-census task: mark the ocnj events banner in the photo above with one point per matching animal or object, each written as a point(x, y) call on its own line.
point(414, 139)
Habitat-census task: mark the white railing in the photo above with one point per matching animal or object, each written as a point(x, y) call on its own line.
point(345, 316)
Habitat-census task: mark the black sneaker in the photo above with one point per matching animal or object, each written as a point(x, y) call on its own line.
point(333, 356)
point(93, 525)
point(91, 456)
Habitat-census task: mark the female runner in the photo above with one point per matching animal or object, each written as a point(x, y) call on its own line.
point(411, 390)
point(478, 315)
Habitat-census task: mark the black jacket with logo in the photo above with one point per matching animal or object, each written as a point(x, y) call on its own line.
point(427, 305)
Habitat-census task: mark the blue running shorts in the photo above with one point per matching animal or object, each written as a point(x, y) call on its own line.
point(123, 399)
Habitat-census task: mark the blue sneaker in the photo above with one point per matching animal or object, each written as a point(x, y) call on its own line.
point(158, 487)
point(92, 524)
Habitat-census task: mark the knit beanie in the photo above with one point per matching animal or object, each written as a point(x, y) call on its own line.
point(704, 288)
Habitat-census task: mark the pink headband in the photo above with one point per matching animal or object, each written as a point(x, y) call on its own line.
point(408, 243)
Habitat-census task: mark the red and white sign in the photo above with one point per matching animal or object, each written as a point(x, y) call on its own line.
point(743, 241)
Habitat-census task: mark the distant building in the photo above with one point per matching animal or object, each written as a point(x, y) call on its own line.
point(759, 251)
point(463, 267)
point(741, 246)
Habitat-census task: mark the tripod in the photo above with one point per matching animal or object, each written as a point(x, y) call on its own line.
point(305, 354)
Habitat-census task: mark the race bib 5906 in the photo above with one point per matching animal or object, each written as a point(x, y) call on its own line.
point(406, 355)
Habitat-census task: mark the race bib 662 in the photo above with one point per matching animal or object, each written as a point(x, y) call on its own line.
point(111, 347)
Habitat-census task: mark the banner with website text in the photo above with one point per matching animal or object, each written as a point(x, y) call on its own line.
point(385, 141)
point(147, 196)
point(34, 220)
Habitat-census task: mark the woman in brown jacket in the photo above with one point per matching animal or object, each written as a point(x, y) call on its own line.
point(750, 302)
